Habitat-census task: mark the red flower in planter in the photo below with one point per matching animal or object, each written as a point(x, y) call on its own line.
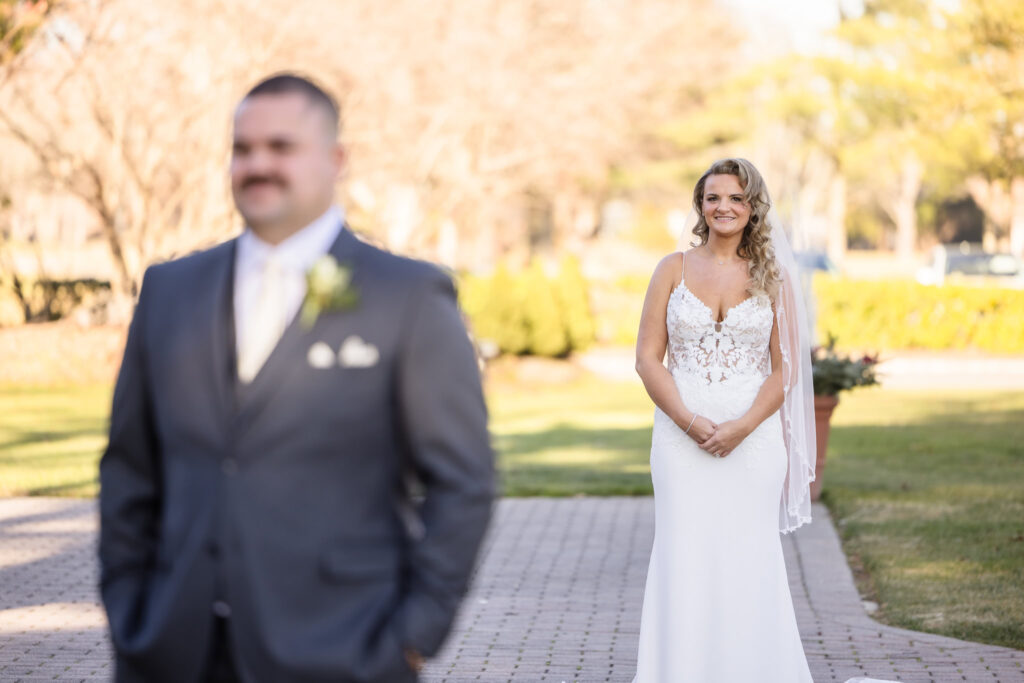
point(833, 372)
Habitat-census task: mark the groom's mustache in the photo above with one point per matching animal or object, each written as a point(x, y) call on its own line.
point(260, 179)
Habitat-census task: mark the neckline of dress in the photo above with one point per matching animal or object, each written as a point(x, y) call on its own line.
point(711, 313)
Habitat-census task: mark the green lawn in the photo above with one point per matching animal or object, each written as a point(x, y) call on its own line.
point(51, 438)
point(928, 492)
point(927, 487)
point(588, 437)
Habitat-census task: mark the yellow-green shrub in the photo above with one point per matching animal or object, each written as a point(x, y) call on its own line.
point(528, 312)
point(574, 302)
point(898, 314)
point(542, 315)
point(47, 300)
point(494, 306)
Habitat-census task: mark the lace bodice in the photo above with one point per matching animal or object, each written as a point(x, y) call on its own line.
point(715, 352)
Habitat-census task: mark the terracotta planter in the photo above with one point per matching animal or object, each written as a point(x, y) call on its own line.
point(823, 407)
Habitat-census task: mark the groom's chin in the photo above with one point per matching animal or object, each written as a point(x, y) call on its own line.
point(260, 216)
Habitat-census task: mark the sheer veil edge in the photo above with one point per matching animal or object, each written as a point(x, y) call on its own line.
point(797, 411)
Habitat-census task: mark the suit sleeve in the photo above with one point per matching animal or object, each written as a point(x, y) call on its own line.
point(130, 486)
point(445, 420)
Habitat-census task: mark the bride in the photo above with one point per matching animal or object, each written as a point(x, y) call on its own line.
point(731, 451)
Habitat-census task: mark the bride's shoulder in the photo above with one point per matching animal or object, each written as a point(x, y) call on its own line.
point(673, 262)
point(670, 268)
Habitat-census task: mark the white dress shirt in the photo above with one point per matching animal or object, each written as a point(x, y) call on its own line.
point(296, 255)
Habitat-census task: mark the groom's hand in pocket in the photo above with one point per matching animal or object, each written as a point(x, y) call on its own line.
point(725, 438)
point(414, 660)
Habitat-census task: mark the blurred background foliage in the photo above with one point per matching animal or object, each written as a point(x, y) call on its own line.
point(530, 312)
point(545, 150)
point(897, 315)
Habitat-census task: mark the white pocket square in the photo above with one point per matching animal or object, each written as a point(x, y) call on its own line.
point(320, 356)
point(356, 353)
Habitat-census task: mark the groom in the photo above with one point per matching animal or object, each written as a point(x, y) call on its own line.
point(299, 473)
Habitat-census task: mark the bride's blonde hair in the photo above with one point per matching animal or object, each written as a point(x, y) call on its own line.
point(756, 243)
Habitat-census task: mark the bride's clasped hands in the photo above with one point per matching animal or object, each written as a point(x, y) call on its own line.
point(724, 438)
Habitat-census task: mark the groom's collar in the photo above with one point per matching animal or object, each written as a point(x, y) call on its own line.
point(299, 251)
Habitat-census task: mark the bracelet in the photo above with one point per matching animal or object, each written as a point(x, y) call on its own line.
point(691, 423)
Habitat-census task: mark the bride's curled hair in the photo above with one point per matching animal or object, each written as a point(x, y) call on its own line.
point(756, 243)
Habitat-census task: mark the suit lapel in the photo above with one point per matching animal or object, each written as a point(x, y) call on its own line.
point(222, 329)
point(291, 348)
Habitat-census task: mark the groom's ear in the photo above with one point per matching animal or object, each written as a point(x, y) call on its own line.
point(340, 156)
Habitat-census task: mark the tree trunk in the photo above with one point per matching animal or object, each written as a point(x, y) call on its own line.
point(122, 282)
point(994, 201)
point(448, 244)
point(836, 237)
point(906, 208)
point(1017, 216)
point(401, 216)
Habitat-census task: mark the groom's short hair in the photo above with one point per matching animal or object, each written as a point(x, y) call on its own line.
point(284, 83)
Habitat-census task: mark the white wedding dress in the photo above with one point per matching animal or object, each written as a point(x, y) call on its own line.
point(717, 607)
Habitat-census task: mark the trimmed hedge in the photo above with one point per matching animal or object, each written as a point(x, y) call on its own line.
point(897, 314)
point(47, 300)
point(529, 312)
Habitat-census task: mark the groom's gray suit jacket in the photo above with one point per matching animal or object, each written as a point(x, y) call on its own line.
point(283, 500)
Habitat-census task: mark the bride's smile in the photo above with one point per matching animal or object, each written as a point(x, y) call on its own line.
point(725, 207)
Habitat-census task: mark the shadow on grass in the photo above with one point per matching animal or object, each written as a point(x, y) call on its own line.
point(80, 488)
point(29, 437)
point(902, 459)
point(563, 435)
point(566, 460)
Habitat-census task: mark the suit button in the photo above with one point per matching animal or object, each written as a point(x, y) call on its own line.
point(229, 466)
point(222, 609)
point(212, 549)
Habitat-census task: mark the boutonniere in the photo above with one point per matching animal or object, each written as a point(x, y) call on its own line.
point(328, 288)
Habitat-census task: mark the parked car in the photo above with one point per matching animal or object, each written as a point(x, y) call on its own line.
point(810, 261)
point(970, 264)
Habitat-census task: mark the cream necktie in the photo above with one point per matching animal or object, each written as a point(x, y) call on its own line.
point(267, 321)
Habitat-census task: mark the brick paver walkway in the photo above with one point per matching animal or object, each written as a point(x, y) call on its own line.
point(557, 598)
